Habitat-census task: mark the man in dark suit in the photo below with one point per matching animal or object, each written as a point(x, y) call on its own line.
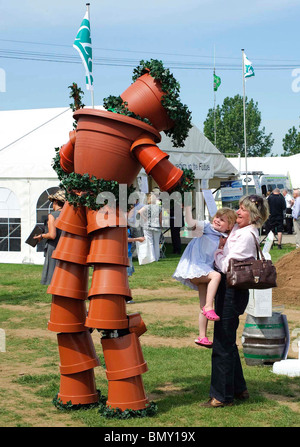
point(277, 206)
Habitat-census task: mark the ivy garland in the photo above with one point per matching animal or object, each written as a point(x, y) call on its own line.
point(82, 190)
point(117, 413)
point(116, 104)
point(108, 412)
point(57, 402)
point(186, 183)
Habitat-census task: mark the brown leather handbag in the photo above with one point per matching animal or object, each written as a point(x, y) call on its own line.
point(251, 273)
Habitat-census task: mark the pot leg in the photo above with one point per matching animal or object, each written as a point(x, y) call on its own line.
point(69, 287)
point(121, 346)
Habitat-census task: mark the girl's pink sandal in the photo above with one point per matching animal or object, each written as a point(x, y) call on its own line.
point(203, 342)
point(210, 315)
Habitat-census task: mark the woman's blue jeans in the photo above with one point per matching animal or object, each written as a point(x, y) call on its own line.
point(227, 377)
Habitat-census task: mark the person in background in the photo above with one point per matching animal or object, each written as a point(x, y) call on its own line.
point(275, 222)
point(131, 240)
point(269, 192)
point(227, 379)
point(288, 212)
point(51, 236)
point(151, 220)
point(136, 230)
point(296, 215)
point(176, 223)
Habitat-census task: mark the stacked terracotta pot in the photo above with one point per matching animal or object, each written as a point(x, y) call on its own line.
point(112, 147)
point(69, 289)
point(108, 295)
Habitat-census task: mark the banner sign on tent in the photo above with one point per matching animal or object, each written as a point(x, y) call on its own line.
point(202, 166)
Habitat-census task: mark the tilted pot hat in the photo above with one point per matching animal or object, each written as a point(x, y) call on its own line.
point(58, 195)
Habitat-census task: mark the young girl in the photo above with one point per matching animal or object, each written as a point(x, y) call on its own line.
point(196, 266)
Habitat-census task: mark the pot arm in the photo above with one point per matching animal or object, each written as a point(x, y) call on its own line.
point(67, 153)
point(136, 324)
point(156, 163)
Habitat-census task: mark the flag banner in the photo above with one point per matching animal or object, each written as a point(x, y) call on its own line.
point(248, 69)
point(83, 44)
point(217, 82)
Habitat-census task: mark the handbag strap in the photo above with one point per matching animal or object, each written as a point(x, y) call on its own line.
point(258, 249)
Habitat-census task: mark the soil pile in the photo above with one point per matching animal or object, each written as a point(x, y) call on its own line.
point(288, 279)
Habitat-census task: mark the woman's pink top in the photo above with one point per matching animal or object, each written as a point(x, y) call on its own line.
point(239, 245)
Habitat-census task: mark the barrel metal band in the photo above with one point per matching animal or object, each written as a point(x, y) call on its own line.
point(265, 326)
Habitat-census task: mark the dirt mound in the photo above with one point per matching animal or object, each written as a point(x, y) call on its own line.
point(288, 279)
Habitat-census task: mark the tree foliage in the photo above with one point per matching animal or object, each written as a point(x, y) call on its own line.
point(230, 128)
point(291, 142)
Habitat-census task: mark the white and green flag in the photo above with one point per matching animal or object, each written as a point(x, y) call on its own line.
point(248, 69)
point(217, 82)
point(83, 44)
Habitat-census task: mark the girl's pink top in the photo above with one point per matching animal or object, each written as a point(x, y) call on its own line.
point(239, 245)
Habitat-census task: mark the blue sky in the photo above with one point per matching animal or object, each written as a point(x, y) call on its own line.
point(182, 34)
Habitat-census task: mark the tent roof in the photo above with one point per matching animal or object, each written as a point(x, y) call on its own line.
point(197, 143)
point(29, 137)
point(271, 165)
point(28, 140)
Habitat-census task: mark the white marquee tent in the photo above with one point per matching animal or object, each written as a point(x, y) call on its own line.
point(27, 147)
point(289, 166)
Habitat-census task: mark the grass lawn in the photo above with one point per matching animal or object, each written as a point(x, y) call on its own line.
point(179, 371)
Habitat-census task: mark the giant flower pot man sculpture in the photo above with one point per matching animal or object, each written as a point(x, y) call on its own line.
point(106, 148)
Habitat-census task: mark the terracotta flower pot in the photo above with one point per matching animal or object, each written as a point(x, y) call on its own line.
point(107, 312)
point(79, 388)
point(70, 280)
point(77, 352)
point(127, 394)
point(166, 175)
point(147, 153)
point(144, 99)
point(125, 364)
point(67, 315)
point(136, 324)
point(67, 153)
point(72, 248)
point(110, 279)
point(72, 136)
point(109, 245)
point(123, 357)
point(103, 143)
point(105, 217)
point(72, 220)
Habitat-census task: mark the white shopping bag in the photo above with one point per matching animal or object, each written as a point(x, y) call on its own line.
point(144, 252)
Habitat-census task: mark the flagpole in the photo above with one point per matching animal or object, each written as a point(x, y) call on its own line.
point(215, 130)
point(88, 11)
point(244, 107)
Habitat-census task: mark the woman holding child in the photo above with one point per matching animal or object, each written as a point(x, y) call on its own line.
point(227, 380)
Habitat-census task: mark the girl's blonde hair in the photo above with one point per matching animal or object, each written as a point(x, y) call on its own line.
point(229, 213)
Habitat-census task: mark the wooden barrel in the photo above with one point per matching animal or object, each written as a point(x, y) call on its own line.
point(263, 339)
